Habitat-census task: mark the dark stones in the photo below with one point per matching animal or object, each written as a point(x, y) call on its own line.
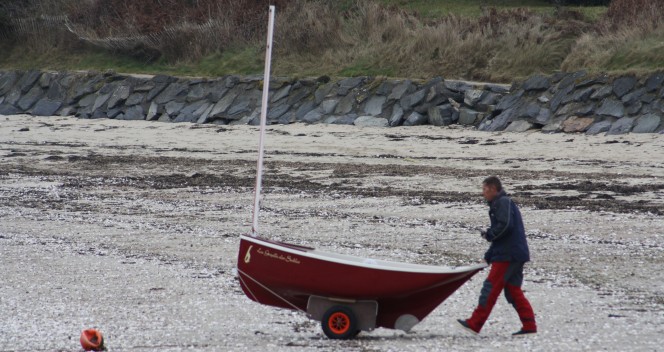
point(411, 100)
point(654, 82)
point(29, 99)
point(370, 121)
point(536, 83)
point(416, 119)
point(510, 100)
point(602, 93)
point(633, 97)
point(312, 116)
point(28, 80)
point(611, 107)
point(622, 126)
point(443, 115)
point(7, 81)
point(281, 93)
point(599, 127)
point(647, 124)
point(396, 119)
point(133, 113)
point(135, 99)
point(174, 91)
point(544, 117)
point(346, 85)
point(468, 117)
point(499, 122)
point(46, 107)
point(519, 126)
point(7, 109)
point(624, 85)
point(374, 105)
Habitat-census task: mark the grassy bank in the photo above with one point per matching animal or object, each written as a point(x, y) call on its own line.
point(423, 38)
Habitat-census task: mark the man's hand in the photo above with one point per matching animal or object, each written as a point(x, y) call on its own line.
point(483, 233)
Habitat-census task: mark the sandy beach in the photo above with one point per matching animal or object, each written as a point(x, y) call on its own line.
point(132, 227)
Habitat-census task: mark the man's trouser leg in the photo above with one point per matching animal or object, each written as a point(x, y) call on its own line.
point(515, 296)
point(493, 285)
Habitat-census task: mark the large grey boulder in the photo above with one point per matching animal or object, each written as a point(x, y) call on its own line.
point(29, 99)
point(519, 126)
point(622, 126)
point(497, 123)
point(101, 100)
point(624, 85)
point(57, 92)
point(396, 118)
point(28, 80)
point(647, 124)
point(312, 116)
point(537, 82)
point(275, 112)
point(370, 121)
point(473, 96)
point(346, 105)
point(528, 111)
point(7, 109)
point(443, 115)
point(345, 120)
point(13, 97)
point(633, 97)
point(562, 95)
point(374, 105)
point(602, 93)
point(323, 92)
point(281, 93)
point(327, 107)
point(348, 84)
point(583, 95)
point(544, 117)
point(510, 100)
point(411, 100)
point(7, 81)
point(304, 109)
point(222, 105)
point(135, 99)
point(174, 91)
point(599, 127)
point(416, 119)
point(611, 107)
point(120, 94)
point(468, 117)
point(654, 82)
point(133, 113)
point(46, 107)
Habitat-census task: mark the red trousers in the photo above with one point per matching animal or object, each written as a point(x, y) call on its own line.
point(508, 277)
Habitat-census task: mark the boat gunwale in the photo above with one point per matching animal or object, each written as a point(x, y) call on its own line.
point(374, 264)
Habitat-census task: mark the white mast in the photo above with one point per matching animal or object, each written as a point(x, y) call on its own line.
point(266, 91)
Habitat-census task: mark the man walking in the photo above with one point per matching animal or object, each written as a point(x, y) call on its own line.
point(506, 255)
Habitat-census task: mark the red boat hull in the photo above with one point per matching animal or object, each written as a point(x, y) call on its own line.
point(285, 276)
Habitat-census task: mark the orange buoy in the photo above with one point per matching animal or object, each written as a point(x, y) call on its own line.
point(92, 340)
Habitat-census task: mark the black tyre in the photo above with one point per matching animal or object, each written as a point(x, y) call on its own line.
point(340, 323)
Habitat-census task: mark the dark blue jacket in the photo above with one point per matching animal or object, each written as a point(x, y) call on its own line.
point(507, 235)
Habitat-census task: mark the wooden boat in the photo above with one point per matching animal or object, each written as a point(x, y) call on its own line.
point(346, 294)
point(377, 293)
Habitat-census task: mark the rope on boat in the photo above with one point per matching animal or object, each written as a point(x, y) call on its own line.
point(266, 289)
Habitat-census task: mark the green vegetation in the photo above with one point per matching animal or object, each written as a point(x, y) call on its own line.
point(473, 8)
point(496, 40)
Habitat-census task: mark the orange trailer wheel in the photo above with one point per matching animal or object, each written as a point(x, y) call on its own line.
point(92, 340)
point(340, 323)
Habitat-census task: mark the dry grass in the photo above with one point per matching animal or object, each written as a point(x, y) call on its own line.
point(357, 37)
point(499, 45)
